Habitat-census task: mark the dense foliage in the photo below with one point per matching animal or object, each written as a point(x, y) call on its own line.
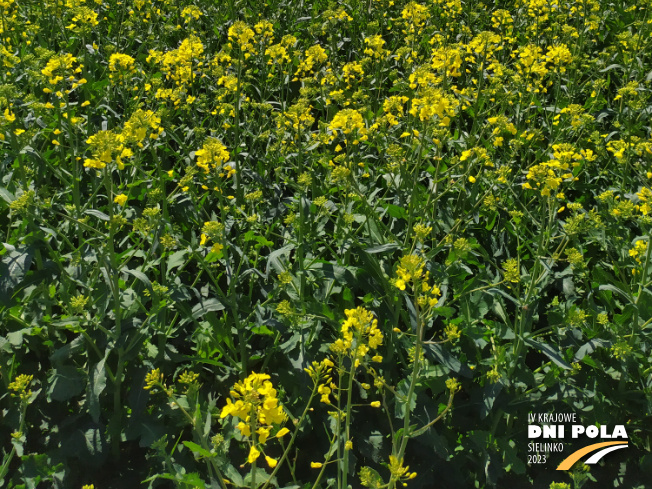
point(322, 244)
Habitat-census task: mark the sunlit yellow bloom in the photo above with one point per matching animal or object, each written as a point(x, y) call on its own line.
point(253, 455)
point(272, 462)
point(120, 199)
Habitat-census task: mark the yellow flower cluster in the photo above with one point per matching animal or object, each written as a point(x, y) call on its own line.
point(512, 273)
point(213, 154)
point(120, 199)
point(191, 12)
point(321, 373)
point(153, 378)
point(360, 334)
point(429, 294)
point(397, 471)
point(422, 232)
point(314, 55)
point(434, 102)
point(352, 72)
point(349, 121)
point(639, 249)
point(107, 146)
point(265, 29)
point(375, 47)
point(415, 16)
point(393, 108)
point(578, 118)
point(645, 195)
point(213, 231)
point(59, 68)
point(484, 44)
point(178, 63)
point(297, 117)
point(549, 175)
point(277, 54)
point(82, 19)
point(242, 35)
point(259, 412)
point(120, 65)
point(532, 66)
point(502, 18)
point(411, 270)
point(477, 154)
point(501, 125)
point(447, 60)
point(559, 56)
point(179, 67)
point(20, 387)
point(104, 146)
point(139, 124)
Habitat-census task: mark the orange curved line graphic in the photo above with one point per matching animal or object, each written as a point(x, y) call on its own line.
point(575, 456)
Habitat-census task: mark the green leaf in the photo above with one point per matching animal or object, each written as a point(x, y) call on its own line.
point(66, 382)
point(95, 387)
point(490, 225)
point(142, 277)
point(99, 214)
point(208, 305)
point(13, 267)
point(262, 330)
point(548, 351)
point(490, 392)
point(445, 358)
point(261, 478)
point(176, 259)
point(234, 476)
point(192, 479)
point(396, 212)
point(618, 290)
point(274, 259)
point(6, 195)
point(589, 347)
point(347, 295)
point(38, 467)
point(382, 248)
point(336, 272)
point(401, 406)
point(66, 351)
point(493, 291)
point(95, 442)
point(196, 449)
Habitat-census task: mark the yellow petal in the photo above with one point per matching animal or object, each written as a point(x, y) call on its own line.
point(253, 455)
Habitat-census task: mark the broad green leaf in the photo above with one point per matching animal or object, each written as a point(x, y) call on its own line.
point(206, 306)
point(95, 387)
point(197, 449)
point(589, 347)
point(99, 214)
point(548, 351)
point(382, 248)
point(65, 382)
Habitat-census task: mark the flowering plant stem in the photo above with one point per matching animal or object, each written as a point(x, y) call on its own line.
point(115, 428)
point(399, 450)
point(294, 435)
point(200, 436)
point(347, 424)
